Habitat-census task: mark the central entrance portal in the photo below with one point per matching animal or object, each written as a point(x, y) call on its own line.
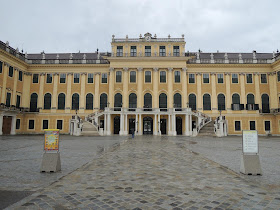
point(147, 126)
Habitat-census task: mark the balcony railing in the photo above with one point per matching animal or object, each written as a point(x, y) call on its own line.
point(146, 109)
point(251, 107)
point(237, 107)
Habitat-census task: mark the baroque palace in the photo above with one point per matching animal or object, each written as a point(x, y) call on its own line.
point(145, 85)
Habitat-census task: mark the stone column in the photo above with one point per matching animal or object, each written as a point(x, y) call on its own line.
point(96, 90)
point(174, 125)
point(83, 89)
point(184, 88)
point(159, 131)
point(140, 88)
point(155, 125)
point(4, 86)
point(109, 124)
point(169, 125)
point(214, 104)
point(125, 87)
point(69, 92)
point(257, 89)
point(1, 124)
point(136, 123)
point(187, 127)
point(190, 124)
point(26, 87)
point(105, 124)
point(228, 95)
point(14, 97)
point(41, 91)
point(13, 126)
point(170, 88)
point(111, 87)
point(121, 124)
point(155, 88)
point(273, 90)
point(140, 125)
point(243, 90)
point(199, 96)
point(54, 96)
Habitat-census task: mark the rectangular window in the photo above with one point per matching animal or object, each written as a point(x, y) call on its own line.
point(62, 78)
point(148, 51)
point(132, 76)
point(133, 51)
point(119, 51)
point(252, 125)
point(177, 77)
point(76, 78)
point(104, 78)
point(267, 125)
point(162, 51)
point(59, 124)
point(191, 78)
point(18, 124)
point(90, 78)
point(278, 76)
point(220, 78)
point(31, 124)
point(234, 78)
point(118, 77)
point(205, 78)
point(176, 51)
point(11, 71)
point(45, 124)
point(8, 99)
point(49, 78)
point(1, 66)
point(148, 76)
point(249, 78)
point(20, 75)
point(237, 125)
point(162, 77)
point(263, 78)
point(35, 78)
point(18, 101)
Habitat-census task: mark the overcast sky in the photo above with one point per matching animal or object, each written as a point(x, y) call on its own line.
point(73, 25)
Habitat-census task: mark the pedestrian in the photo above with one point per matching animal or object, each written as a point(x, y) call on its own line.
point(132, 133)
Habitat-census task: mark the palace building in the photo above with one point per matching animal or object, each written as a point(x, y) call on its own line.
point(146, 85)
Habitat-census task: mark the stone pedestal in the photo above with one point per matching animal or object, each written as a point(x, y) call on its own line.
point(250, 165)
point(51, 162)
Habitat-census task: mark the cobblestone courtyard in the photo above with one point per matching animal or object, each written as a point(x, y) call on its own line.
point(155, 173)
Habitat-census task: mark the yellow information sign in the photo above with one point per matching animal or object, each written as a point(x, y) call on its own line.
point(51, 140)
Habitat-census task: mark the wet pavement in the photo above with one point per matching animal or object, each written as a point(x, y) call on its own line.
point(153, 173)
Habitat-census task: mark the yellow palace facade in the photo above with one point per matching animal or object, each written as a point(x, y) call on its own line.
point(145, 85)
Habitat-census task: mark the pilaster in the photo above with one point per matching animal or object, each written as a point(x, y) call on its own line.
point(184, 87)
point(214, 103)
point(228, 95)
point(54, 95)
point(26, 90)
point(140, 88)
point(170, 88)
point(68, 93)
point(243, 90)
point(41, 91)
point(125, 87)
point(273, 90)
point(83, 86)
point(257, 89)
point(155, 88)
point(14, 97)
point(111, 87)
point(96, 90)
point(5, 77)
point(199, 96)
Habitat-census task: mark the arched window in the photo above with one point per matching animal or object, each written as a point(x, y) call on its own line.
point(132, 101)
point(177, 99)
point(163, 102)
point(250, 99)
point(118, 101)
point(75, 101)
point(61, 101)
point(103, 101)
point(206, 102)
point(265, 103)
point(33, 102)
point(47, 101)
point(192, 101)
point(251, 103)
point(235, 99)
point(221, 102)
point(89, 101)
point(147, 101)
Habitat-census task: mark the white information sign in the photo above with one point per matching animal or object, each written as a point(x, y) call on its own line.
point(250, 142)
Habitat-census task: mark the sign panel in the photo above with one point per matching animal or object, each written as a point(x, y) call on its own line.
point(51, 140)
point(250, 142)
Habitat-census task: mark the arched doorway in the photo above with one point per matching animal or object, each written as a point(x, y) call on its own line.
point(179, 125)
point(148, 102)
point(118, 102)
point(265, 103)
point(117, 125)
point(147, 126)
